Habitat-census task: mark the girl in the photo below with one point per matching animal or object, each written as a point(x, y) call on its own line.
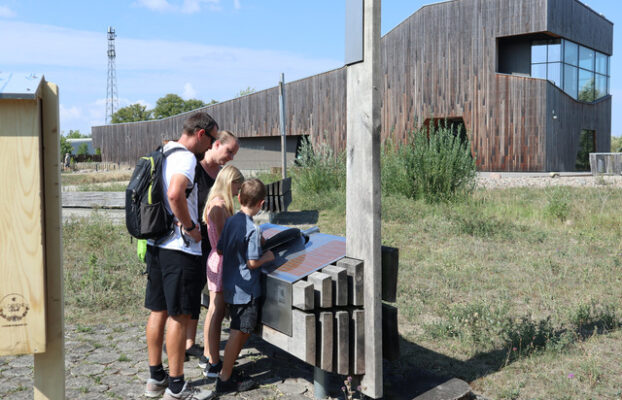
point(218, 207)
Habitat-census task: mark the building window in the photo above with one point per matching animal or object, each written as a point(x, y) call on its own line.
point(581, 72)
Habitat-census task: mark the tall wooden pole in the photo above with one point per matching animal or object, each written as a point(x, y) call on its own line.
point(282, 126)
point(363, 188)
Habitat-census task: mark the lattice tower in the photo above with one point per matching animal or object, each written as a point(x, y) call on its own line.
point(112, 100)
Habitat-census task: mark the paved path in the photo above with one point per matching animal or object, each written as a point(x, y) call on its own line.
point(104, 362)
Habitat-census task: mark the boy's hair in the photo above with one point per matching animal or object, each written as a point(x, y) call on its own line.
point(197, 121)
point(252, 192)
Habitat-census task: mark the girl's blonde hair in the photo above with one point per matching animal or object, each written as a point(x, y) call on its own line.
point(225, 136)
point(222, 188)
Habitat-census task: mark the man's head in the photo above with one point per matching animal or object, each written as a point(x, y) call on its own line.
point(225, 148)
point(199, 132)
point(252, 194)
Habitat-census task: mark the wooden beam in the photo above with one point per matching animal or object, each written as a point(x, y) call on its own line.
point(342, 346)
point(324, 337)
point(339, 277)
point(303, 295)
point(355, 270)
point(323, 286)
point(358, 342)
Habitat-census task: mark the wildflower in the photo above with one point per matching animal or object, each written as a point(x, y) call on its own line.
point(343, 388)
point(349, 379)
point(570, 375)
point(514, 349)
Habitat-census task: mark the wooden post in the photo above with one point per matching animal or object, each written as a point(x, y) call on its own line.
point(363, 188)
point(282, 127)
point(49, 376)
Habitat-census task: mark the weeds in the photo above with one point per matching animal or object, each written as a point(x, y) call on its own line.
point(558, 203)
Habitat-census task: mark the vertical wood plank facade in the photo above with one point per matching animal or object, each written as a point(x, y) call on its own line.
point(440, 62)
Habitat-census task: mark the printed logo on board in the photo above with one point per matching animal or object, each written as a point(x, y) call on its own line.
point(13, 307)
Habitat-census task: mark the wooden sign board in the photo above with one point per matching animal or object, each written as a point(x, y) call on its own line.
point(22, 290)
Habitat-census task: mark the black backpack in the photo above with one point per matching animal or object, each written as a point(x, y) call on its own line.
point(146, 216)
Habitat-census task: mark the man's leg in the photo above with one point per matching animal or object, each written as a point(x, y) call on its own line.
point(175, 343)
point(236, 341)
point(155, 336)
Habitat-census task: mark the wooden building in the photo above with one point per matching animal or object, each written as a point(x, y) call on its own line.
point(528, 78)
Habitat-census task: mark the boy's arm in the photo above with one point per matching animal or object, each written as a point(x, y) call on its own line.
point(265, 257)
point(255, 257)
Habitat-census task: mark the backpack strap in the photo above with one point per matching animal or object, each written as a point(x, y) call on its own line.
point(171, 151)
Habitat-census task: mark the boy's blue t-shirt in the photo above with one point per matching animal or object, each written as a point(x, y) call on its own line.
point(240, 241)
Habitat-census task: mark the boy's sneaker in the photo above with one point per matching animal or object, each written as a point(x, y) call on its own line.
point(156, 388)
point(195, 351)
point(212, 370)
point(188, 393)
point(237, 383)
point(203, 361)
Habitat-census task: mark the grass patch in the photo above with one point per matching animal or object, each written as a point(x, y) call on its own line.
point(496, 289)
point(76, 178)
point(106, 187)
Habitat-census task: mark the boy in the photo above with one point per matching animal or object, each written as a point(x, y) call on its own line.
point(240, 246)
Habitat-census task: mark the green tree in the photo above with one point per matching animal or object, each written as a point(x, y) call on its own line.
point(616, 144)
point(132, 113)
point(65, 147)
point(245, 92)
point(83, 149)
point(172, 104)
point(76, 134)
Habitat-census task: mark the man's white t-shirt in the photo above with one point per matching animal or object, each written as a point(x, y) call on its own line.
point(184, 163)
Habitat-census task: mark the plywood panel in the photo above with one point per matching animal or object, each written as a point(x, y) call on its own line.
point(22, 292)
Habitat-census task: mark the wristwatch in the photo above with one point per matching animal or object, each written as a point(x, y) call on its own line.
point(192, 227)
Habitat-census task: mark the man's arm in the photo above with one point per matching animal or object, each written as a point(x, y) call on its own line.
point(179, 205)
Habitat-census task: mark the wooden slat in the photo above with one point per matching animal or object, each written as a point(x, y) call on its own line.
point(93, 200)
point(390, 263)
point(324, 337)
point(355, 273)
point(302, 343)
point(303, 295)
point(390, 335)
point(339, 278)
point(323, 287)
point(342, 342)
point(357, 345)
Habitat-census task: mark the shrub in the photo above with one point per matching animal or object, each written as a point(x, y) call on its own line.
point(558, 203)
point(319, 170)
point(438, 164)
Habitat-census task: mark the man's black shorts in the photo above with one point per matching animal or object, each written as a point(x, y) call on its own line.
point(244, 317)
point(173, 282)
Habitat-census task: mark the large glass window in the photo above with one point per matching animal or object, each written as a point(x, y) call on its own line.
point(571, 76)
point(586, 85)
point(581, 72)
point(571, 53)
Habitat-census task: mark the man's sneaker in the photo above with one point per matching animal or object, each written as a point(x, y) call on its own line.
point(235, 384)
point(156, 388)
point(203, 361)
point(212, 370)
point(188, 393)
point(195, 351)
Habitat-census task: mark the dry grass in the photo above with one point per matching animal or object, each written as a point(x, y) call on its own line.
point(517, 291)
point(83, 178)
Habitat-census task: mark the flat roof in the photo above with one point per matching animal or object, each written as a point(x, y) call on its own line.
point(19, 85)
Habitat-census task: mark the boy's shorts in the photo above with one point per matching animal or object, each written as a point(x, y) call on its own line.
point(173, 282)
point(244, 317)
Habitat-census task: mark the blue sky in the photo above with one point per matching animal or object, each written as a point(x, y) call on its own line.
point(205, 49)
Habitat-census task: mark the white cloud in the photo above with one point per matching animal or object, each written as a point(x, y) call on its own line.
point(6, 12)
point(186, 6)
point(236, 4)
point(146, 69)
point(189, 91)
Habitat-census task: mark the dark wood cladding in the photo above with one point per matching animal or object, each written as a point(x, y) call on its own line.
point(564, 131)
point(314, 106)
point(441, 62)
point(577, 22)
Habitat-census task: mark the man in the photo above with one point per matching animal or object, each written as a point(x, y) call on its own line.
point(173, 286)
